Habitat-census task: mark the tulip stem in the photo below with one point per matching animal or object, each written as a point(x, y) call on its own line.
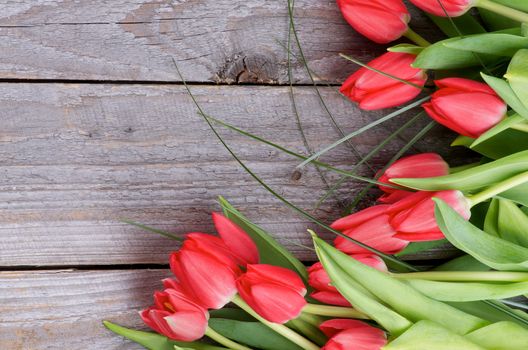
point(505, 11)
point(333, 311)
point(496, 189)
point(310, 331)
point(465, 276)
point(416, 38)
point(279, 328)
point(220, 339)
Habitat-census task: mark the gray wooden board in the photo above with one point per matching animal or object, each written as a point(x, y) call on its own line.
point(213, 40)
point(55, 310)
point(78, 158)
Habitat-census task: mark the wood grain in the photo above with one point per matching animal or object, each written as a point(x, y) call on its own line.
point(64, 309)
point(78, 158)
point(223, 41)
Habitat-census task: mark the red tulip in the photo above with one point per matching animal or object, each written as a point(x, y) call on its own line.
point(320, 281)
point(413, 217)
point(415, 166)
point(373, 90)
point(370, 226)
point(176, 316)
point(444, 8)
point(237, 240)
point(468, 107)
point(381, 21)
point(275, 293)
point(352, 334)
point(206, 270)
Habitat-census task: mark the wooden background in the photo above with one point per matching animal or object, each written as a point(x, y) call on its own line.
point(96, 127)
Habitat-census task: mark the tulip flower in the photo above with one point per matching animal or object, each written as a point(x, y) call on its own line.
point(381, 21)
point(328, 294)
point(237, 240)
point(206, 270)
point(352, 334)
point(413, 217)
point(468, 107)
point(444, 8)
point(370, 226)
point(415, 166)
point(275, 293)
point(373, 90)
point(176, 316)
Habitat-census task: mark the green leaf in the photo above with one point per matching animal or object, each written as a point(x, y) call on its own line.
point(416, 247)
point(397, 294)
point(499, 128)
point(507, 221)
point(503, 144)
point(438, 56)
point(492, 251)
point(270, 251)
point(490, 43)
point(154, 341)
point(232, 314)
point(505, 91)
point(473, 178)
point(496, 22)
point(486, 310)
point(457, 26)
point(517, 75)
point(463, 263)
point(253, 334)
point(501, 336)
point(469, 291)
point(360, 297)
point(426, 335)
point(406, 48)
point(517, 194)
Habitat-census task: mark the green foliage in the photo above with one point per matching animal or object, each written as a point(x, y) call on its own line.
point(499, 44)
point(507, 221)
point(517, 75)
point(254, 334)
point(154, 341)
point(462, 25)
point(493, 251)
point(398, 295)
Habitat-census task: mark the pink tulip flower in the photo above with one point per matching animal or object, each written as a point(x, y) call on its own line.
point(415, 166)
point(381, 21)
point(352, 334)
point(177, 316)
point(466, 106)
point(444, 8)
point(370, 226)
point(275, 293)
point(237, 240)
point(373, 90)
point(206, 270)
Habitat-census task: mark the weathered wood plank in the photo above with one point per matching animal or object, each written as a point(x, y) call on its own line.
point(214, 40)
point(64, 309)
point(78, 158)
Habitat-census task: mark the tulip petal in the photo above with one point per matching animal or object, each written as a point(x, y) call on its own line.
point(236, 239)
point(334, 326)
point(330, 298)
point(286, 303)
point(278, 275)
point(187, 325)
point(358, 218)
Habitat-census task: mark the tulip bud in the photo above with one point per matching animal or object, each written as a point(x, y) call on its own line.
point(381, 21)
point(373, 90)
point(320, 281)
point(415, 166)
point(370, 226)
point(275, 293)
point(176, 316)
point(352, 334)
point(468, 107)
point(237, 240)
point(444, 8)
point(206, 270)
point(413, 217)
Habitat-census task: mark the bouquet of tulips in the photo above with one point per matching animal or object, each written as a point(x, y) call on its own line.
point(242, 290)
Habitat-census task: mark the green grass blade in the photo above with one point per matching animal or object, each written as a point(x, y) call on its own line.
point(154, 230)
point(363, 129)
